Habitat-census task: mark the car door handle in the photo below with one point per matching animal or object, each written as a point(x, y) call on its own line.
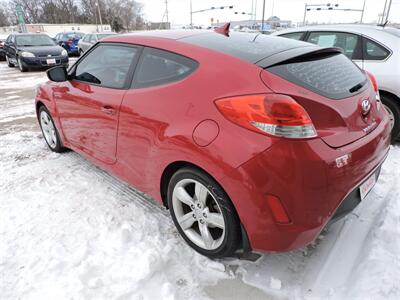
point(108, 110)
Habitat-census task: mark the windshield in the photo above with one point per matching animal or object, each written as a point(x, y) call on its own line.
point(103, 35)
point(73, 35)
point(34, 40)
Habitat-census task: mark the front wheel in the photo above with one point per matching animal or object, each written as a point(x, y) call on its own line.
point(49, 130)
point(9, 64)
point(393, 109)
point(203, 213)
point(21, 67)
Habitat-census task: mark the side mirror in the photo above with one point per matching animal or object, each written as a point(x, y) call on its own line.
point(57, 74)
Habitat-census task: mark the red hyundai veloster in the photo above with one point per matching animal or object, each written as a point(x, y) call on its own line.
point(254, 143)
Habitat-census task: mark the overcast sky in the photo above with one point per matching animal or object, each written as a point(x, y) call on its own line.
point(179, 10)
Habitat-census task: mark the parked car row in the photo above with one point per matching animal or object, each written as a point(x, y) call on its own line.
point(37, 50)
point(31, 50)
point(2, 53)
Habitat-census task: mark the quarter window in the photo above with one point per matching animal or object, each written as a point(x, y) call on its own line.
point(348, 42)
point(93, 39)
point(160, 67)
point(107, 65)
point(374, 51)
point(87, 38)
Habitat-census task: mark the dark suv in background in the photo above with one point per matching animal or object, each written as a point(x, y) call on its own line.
point(69, 41)
point(33, 50)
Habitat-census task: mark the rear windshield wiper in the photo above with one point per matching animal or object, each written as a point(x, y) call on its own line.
point(357, 87)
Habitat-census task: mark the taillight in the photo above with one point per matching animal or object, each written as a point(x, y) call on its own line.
point(275, 114)
point(375, 86)
point(373, 81)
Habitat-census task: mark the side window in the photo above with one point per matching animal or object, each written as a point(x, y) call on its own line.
point(93, 39)
point(293, 35)
point(348, 42)
point(107, 65)
point(374, 51)
point(87, 38)
point(12, 40)
point(160, 67)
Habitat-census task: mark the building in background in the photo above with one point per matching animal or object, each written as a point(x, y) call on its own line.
point(158, 25)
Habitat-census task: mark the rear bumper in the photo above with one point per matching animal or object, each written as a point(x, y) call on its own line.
point(311, 188)
point(41, 62)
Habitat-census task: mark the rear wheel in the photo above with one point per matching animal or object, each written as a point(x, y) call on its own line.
point(203, 213)
point(393, 109)
point(49, 130)
point(11, 65)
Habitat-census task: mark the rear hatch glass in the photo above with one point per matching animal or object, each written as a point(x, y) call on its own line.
point(331, 76)
point(331, 89)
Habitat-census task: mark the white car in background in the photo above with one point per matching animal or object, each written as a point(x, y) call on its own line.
point(375, 49)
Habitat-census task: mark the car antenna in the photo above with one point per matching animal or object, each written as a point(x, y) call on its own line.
point(224, 29)
point(383, 24)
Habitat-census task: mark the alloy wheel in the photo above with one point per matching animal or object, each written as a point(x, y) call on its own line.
point(20, 64)
point(48, 128)
point(391, 115)
point(198, 214)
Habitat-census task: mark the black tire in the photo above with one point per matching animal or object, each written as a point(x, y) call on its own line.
point(394, 106)
point(58, 147)
point(21, 66)
point(9, 64)
point(80, 52)
point(232, 237)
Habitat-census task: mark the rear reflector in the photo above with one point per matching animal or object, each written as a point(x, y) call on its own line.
point(275, 114)
point(376, 89)
point(278, 211)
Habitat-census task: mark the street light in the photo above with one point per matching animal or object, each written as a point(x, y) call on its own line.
point(204, 10)
point(328, 6)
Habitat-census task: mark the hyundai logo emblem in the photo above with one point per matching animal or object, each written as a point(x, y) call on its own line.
point(365, 106)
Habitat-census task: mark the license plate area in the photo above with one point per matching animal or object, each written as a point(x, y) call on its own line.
point(367, 186)
point(51, 61)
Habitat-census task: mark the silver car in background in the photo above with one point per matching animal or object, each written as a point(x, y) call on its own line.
point(90, 39)
point(375, 49)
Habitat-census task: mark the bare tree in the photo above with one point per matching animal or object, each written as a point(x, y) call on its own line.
point(122, 15)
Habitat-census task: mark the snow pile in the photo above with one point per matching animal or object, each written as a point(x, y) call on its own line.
point(356, 258)
point(70, 231)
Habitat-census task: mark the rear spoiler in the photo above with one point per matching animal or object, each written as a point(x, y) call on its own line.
point(296, 55)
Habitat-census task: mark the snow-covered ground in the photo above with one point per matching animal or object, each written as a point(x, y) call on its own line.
point(68, 230)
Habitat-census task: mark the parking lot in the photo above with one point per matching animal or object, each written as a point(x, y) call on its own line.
point(71, 231)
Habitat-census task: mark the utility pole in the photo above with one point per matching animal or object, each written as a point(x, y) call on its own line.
point(166, 10)
point(388, 11)
point(263, 16)
point(101, 22)
point(191, 15)
point(383, 14)
point(165, 15)
point(362, 13)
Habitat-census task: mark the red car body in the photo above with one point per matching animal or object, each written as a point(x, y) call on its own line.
point(143, 135)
